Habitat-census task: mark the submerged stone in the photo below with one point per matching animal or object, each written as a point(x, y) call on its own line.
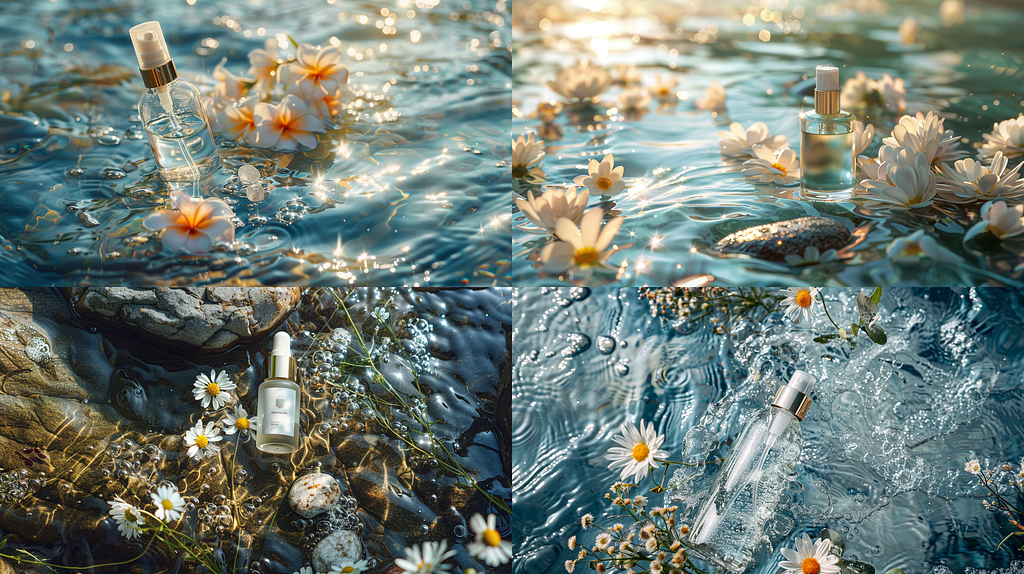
point(774, 241)
point(313, 494)
point(337, 547)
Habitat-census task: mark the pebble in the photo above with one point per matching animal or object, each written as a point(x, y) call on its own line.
point(774, 241)
point(337, 547)
point(313, 494)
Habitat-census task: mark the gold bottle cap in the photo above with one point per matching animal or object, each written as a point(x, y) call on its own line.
point(792, 396)
point(159, 76)
point(281, 364)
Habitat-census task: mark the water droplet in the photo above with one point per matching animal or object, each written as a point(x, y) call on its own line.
point(622, 368)
point(257, 220)
point(605, 344)
point(447, 204)
point(75, 251)
point(288, 217)
point(424, 528)
point(111, 173)
point(76, 171)
point(109, 139)
point(141, 192)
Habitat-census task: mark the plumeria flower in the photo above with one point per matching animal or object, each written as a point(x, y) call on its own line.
point(581, 82)
point(287, 126)
point(263, 66)
point(737, 142)
point(917, 246)
point(999, 220)
point(328, 106)
point(908, 31)
point(427, 558)
point(810, 558)
point(581, 250)
point(799, 302)
point(640, 449)
point(780, 167)
point(973, 467)
point(627, 74)
point(488, 545)
point(195, 225)
point(968, 181)
point(863, 91)
point(952, 12)
point(714, 98)
point(527, 151)
point(664, 87)
point(349, 567)
point(863, 135)
point(230, 85)
point(909, 181)
point(603, 178)
point(316, 72)
point(239, 421)
point(634, 99)
point(811, 256)
point(212, 390)
point(200, 441)
point(237, 120)
point(1007, 137)
point(128, 518)
point(926, 135)
point(169, 504)
point(552, 205)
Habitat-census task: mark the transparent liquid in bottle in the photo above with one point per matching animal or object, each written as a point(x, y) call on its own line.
point(826, 155)
point(183, 147)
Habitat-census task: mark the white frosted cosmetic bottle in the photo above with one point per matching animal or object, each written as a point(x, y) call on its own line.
point(277, 409)
point(745, 491)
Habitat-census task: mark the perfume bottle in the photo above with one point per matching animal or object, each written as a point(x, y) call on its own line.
point(826, 139)
point(172, 111)
point(746, 490)
point(277, 409)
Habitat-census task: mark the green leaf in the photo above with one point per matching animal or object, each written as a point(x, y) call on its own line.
point(292, 40)
point(856, 567)
point(838, 544)
point(825, 338)
point(895, 571)
point(876, 296)
point(876, 334)
point(3, 542)
point(867, 308)
point(854, 328)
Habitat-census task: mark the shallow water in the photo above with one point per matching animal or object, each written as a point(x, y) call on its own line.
point(884, 442)
point(682, 201)
point(129, 401)
point(409, 190)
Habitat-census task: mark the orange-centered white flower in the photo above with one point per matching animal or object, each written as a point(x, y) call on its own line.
point(200, 440)
point(640, 449)
point(603, 178)
point(810, 558)
point(316, 72)
point(263, 66)
point(581, 249)
point(799, 302)
point(287, 126)
point(237, 120)
point(488, 545)
point(195, 225)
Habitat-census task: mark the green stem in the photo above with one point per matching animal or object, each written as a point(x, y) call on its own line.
point(825, 307)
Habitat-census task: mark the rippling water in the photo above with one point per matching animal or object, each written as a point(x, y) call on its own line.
point(682, 200)
point(884, 443)
point(409, 190)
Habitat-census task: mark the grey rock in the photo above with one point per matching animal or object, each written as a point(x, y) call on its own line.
point(337, 547)
point(774, 241)
point(313, 494)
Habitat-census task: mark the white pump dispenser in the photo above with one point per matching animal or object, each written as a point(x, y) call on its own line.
point(277, 417)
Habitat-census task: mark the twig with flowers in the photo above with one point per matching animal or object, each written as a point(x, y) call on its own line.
point(991, 480)
point(719, 306)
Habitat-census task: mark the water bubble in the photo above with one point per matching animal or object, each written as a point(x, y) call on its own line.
point(605, 344)
point(424, 528)
point(622, 367)
point(109, 139)
point(141, 193)
point(460, 531)
point(257, 220)
point(111, 173)
point(76, 171)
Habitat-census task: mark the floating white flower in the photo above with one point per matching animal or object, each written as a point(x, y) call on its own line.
point(664, 87)
point(799, 302)
point(315, 72)
point(200, 441)
point(968, 181)
point(212, 390)
point(1007, 137)
point(863, 91)
point(810, 558)
point(952, 12)
point(195, 226)
point(237, 120)
point(634, 98)
point(287, 126)
point(603, 177)
point(714, 98)
point(926, 135)
point(908, 30)
point(488, 545)
point(263, 66)
point(328, 106)
point(239, 421)
point(581, 250)
point(780, 167)
point(581, 82)
point(811, 256)
point(737, 142)
point(128, 518)
point(552, 205)
point(999, 220)
point(972, 467)
point(627, 74)
point(349, 567)
point(640, 449)
point(547, 111)
point(863, 135)
point(169, 504)
point(909, 182)
point(427, 558)
point(917, 246)
point(526, 152)
point(230, 85)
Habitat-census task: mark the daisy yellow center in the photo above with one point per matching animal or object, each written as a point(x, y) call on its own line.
point(810, 566)
point(586, 256)
point(201, 442)
point(167, 504)
point(780, 167)
point(129, 516)
point(604, 182)
point(492, 538)
point(241, 423)
point(347, 570)
point(803, 298)
point(213, 389)
point(913, 249)
point(640, 452)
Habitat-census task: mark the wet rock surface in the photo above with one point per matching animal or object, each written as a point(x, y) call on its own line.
point(337, 547)
point(313, 494)
point(774, 241)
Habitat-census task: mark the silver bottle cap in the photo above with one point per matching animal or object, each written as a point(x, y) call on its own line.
point(793, 395)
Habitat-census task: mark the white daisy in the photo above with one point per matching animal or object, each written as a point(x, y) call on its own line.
point(640, 501)
point(651, 545)
point(169, 504)
point(627, 74)
point(581, 250)
point(571, 543)
point(664, 87)
point(811, 256)
point(737, 142)
point(810, 558)
point(305, 570)
point(586, 520)
point(908, 30)
point(349, 567)
point(714, 98)
point(239, 422)
point(634, 98)
point(863, 135)
point(488, 545)
point(212, 390)
point(799, 302)
point(780, 167)
point(581, 82)
point(926, 135)
point(526, 152)
point(999, 220)
point(863, 91)
point(552, 205)
point(426, 558)
point(129, 519)
point(603, 540)
point(200, 441)
point(968, 181)
point(909, 181)
point(603, 178)
point(641, 448)
point(656, 567)
point(916, 247)
point(1007, 137)
point(570, 565)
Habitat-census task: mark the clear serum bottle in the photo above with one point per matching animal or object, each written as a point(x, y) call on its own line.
point(277, 409)
point(744, 493)
point(826, 139)
point(172, 111)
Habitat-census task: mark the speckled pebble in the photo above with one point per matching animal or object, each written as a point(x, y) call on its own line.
point(313, 494)
point(337, 547)
point(774, 241)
